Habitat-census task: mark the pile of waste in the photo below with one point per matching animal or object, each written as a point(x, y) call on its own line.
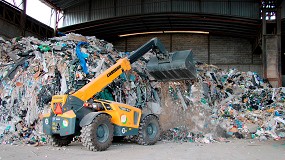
point(229, 103)
point(33, 70)
point(219, 103)
point(22, 134)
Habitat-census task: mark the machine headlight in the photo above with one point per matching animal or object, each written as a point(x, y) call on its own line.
point(124, 119)
point(65, 123)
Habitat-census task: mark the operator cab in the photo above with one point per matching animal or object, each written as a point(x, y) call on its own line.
point(98, 106)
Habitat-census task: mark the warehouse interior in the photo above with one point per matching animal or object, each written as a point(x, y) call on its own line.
point(203, 25)
point(238, 48)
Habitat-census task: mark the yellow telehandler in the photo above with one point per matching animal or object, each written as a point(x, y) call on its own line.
point(99, 121)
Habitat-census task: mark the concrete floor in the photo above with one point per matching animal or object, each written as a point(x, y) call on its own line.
point(233, 150)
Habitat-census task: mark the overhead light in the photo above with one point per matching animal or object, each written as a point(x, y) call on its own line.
point(198, 32)
point(132, 34)
point(142, 33)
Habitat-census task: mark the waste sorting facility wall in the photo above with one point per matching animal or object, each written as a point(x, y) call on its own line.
point(10, 22)
point(223, 51)
point(9, 30)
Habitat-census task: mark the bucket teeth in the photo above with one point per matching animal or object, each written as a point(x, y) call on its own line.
point(179, 67)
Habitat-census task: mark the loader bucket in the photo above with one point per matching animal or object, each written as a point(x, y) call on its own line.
point(179, 67)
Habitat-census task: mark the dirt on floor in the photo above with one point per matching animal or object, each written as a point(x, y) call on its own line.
point(164, 150)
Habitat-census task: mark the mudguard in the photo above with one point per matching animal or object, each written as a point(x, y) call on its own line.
point(144, 115)
point(87, 119)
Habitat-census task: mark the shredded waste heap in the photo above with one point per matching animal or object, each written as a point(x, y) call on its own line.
point(219, 103)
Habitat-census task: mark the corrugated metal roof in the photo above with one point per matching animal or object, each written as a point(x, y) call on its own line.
point(216, 7)
point(186, 6)
point(216, 24)
point(154, 6)
point(76, 14)
point(102, 9)
point(123, 7)
point(62, 4)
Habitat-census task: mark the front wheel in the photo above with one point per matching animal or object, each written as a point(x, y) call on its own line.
point(149, 130)
point(58, 141)
point(98, 135)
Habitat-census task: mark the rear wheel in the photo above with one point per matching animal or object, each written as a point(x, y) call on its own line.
point(149, 130)
point(58, 141)
point(98, 135)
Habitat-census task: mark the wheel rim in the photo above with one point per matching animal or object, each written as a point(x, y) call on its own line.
point(151, 130)
point(102, 133)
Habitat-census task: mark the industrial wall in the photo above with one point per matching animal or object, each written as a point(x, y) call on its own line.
point(10, 22)
point(95, 10)
point(9, 30)
point(283, 9)
point(223, 51)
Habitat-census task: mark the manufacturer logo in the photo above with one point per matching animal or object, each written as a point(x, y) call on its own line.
point(65, 123)
point(113, 71)
point(124, 130)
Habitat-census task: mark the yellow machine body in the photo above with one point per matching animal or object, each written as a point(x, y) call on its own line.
point(122, 114)
point(100, 82)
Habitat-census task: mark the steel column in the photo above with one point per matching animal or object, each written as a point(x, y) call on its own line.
point(23, 17)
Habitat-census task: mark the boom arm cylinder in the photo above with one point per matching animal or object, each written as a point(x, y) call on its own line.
point(154, 44)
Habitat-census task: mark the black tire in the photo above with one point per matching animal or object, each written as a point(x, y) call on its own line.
point(58, 141)
point(98, 135)
point(83, 135)
point(149, 130)
point(118, 138)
